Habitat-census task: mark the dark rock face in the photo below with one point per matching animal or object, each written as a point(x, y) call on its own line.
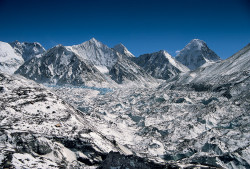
point(160, 65)
point(125, 71)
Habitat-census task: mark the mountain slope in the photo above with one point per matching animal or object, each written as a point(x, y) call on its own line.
point(218, 76)
point(111, 63)
point(160, 65)
point(61, 66)
point(195, 54)
point(28, 50)
point(9, 59)
point(126, 71)
point(95, 52)
point(123, 50)
point(40, 130)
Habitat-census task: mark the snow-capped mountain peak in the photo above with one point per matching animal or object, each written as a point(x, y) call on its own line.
point(96, 53)
point(195, 54)
point(123, 50)
point(196, 43)
point(27, 49)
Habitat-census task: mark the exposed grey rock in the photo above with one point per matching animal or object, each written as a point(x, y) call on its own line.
point(160, 65)
point(125, 71)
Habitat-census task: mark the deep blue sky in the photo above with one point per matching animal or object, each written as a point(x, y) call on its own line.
point(143, 26)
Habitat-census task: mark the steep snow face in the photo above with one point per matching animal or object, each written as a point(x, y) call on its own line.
point(28, 50)
point(61, 66)
point(9, 59)
point(96, 53)
point(160, 65)
point(112, 63)
point(195, 54)
point(123, 50)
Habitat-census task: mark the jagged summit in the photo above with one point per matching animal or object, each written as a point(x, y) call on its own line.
point(123, 50)
point(96, 53)
point(27, 50)
point(59, 65)
point(9, 59)
point(95, 42)
point(196, 42)
point(196, 53)
point(160, 64)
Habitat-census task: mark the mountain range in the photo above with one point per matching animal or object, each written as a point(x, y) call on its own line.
point(92, 106)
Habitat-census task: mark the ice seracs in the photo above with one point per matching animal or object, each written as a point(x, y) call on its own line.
point(160, 65)
point(195, 54)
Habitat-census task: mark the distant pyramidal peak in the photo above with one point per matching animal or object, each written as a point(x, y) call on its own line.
point(196, 53)
point(123, 50)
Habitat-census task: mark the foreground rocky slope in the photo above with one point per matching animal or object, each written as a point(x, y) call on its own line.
point(39, 130)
